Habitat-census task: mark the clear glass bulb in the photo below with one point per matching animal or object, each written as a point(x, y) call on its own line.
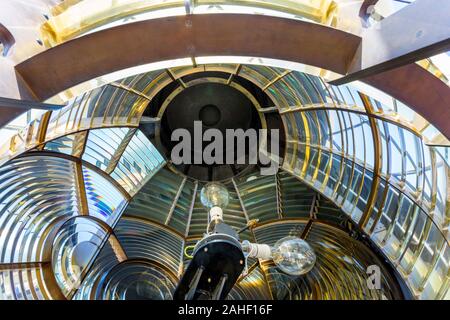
point(214, 194)
point(293, 256)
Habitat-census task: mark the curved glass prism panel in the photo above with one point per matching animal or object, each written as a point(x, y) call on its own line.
point(75, 245)
point(252, 286)
point(142, 239)
point(27, 283)
point(109, 256)
point(72, 144)
point(104, 201)
point(157, 200)
point(333, 250)
point(138, 163)
point(259, 196)
point(138, 280)
point(102, 145)
point(37, 193)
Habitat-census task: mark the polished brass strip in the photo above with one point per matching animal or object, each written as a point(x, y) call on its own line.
point(81, 189)
point(376, 167)
point(22, 265)
point(174, 78)
point(277, 78)
point(132, 90)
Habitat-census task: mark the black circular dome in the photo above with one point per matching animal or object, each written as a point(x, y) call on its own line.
point(218, 106)
point(210, 115)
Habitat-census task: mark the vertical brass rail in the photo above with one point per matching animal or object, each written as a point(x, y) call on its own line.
point(377, 163)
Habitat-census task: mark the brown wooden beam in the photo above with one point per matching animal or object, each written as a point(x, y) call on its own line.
point(7, 114)
point(420, 90)
point(6, 40)
point(12, 108)
point(129, 45)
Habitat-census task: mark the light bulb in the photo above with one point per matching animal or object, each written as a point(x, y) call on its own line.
point(293, 256)
point(214, 194)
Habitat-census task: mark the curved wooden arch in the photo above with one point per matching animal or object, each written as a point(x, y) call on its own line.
point(125, 46)
point(129, 45)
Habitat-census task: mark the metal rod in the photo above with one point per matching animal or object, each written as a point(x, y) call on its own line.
point(194, 283)
point(218, 290)
point(191, 209)
point(25, 104)
point(174, 203)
